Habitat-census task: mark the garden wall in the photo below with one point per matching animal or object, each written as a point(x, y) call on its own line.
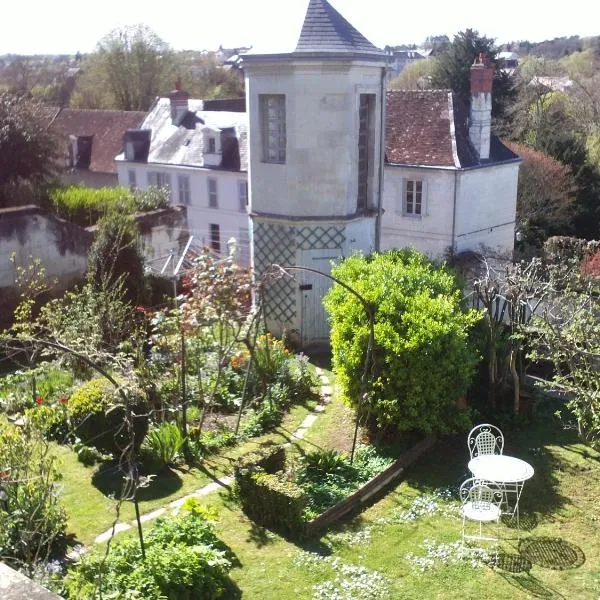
point(63, 247)
point(15, 586)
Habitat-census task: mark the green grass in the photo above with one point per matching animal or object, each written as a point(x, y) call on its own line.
point(560, 510)
point(86, 490)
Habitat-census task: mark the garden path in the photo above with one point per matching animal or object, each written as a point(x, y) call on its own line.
point(175, 505)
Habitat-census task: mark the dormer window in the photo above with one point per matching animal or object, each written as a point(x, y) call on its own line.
point(137, 144)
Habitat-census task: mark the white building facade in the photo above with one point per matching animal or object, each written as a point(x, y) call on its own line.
point(200, 155)
point(315, 122)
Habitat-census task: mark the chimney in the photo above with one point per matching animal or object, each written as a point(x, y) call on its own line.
point(480, 121)
point(179, 103)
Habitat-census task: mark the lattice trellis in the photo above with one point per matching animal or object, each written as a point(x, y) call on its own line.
point(320, 237)
point(276, 244)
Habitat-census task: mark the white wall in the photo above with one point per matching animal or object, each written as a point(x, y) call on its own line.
point(486, 207)
point(485, 210)
point(232, 221)
point(430, 233)
point(319, 177)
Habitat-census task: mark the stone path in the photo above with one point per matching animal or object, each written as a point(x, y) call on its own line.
point(225, 481)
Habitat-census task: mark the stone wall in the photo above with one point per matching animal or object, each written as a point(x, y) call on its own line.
point(28, 232)
point(15, 586)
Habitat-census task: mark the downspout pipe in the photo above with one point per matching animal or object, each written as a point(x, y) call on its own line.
point(381, 163)
point(454, 213)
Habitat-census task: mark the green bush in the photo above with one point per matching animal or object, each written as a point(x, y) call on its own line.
point(86, 206)
point(184, 560)
point(263, 419)
point(116, 256)
point(266, 496)
point(423, 360)
point(51, 420)
point(31, 516)
point(164, 443)
point(98, 417)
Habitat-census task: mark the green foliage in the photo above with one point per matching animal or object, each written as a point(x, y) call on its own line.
point(92, 320)
point(32, 519)
point(327, 477)
point(115, 255)
point(86, 206)
point(265, 494)
point(183, 561)
point(27, 151)
point(264, 418)
point(164, 443)
point(210, 441)
point(423, 360)
point(452, 70)
point(98, 417)
point(51, 420)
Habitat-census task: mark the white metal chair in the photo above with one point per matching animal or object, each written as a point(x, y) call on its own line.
point(485, 439)
point(481, 502)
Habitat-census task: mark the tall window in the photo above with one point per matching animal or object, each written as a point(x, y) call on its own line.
point(272, 117)
point(413, 197)
point(131, 175)
point(212, 145)
point(213, 201)
point(215, 237)
point(366, 138)
point(243, 194)
point(183, 183)
point(160, 180)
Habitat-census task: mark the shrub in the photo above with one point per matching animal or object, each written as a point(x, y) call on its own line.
point(183, 561)
point(31, 516)
point(86, 206)
point(422, 360)
point(51, 420)
point(164, 443)
point(266, 496)
point(99, 422)
point(115, 256)
point(263, 419)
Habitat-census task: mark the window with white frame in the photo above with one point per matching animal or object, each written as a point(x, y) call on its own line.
point(132, 178)
point(413, 198)
point(215, 237)
point(158, 179)
point(213, 201)
point(272, 116)
point(183, 185)
point(243, 195)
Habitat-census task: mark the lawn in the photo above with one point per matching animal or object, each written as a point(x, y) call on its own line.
point(555, 555)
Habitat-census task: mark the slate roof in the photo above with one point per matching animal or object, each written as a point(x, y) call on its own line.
point(326, 30)
point(430, 128)
point(107, 127)
point(183, 144)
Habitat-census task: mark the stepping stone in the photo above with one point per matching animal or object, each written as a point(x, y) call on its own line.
point(326, 390)
point(151, 515)
point(119, 527)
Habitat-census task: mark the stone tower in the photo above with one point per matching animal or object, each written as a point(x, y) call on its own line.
point(315, 175)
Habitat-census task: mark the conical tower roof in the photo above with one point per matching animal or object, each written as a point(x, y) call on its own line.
point(326, 31)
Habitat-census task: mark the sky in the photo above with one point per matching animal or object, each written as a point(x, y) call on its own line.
point(68, 26)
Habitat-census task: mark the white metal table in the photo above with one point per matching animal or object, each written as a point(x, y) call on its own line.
point(508, 472)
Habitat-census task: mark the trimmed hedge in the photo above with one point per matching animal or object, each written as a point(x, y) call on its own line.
point(266, 496)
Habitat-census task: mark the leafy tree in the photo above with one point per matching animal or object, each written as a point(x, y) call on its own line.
point(416, 76)
point(115, 255)
point(423, 361)
point(133, 62)
point(27, 149)
point(453, 67)
point(545, 196)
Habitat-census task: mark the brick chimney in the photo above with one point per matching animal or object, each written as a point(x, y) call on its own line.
point(480, 121)
point(179, 103)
